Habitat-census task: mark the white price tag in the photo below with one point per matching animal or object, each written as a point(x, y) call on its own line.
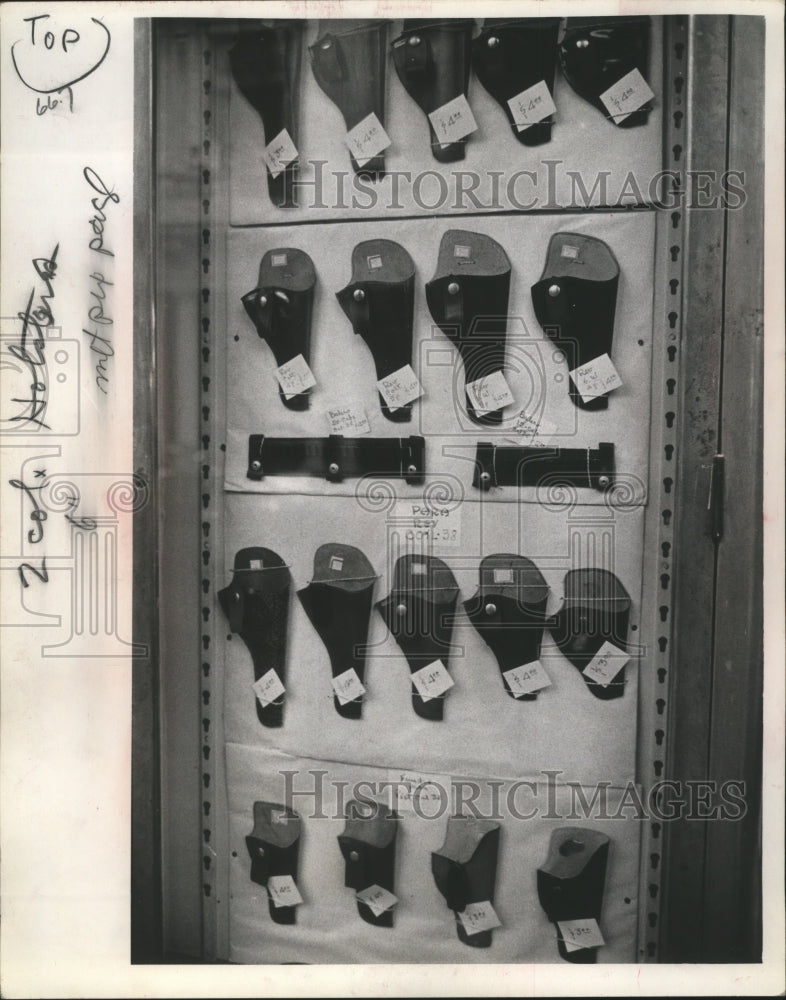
point(478, 917)
point(418, 522)
point(596, 378)
point(524, 680)
point(536, 432)
point(627, 95)
point(348, 686)
point(348, 418)
point(606, 664)
point(453, 120)
point(531, 106)
point(268, 688)
point(431, 681)
point(377, 899)
point(490, 393)
point(400, 387)
point(367, 139)
point(295, 376)
point(580, 934)
point(283, 891)
point(426, 789)
point(279, 153)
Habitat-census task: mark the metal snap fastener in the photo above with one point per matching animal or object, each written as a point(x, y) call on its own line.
point(235, 597)
point(263, 300)
point(261, 852)
point(326, 44)
point(554, 291)
point(412, 468)
point(491, 609)
point(358, 295)
point(333, 468)
point(493, 42)
point(485, 477)
point(603, 481)
point(582, 43)
point(354, 856)
point(256, 466)
point(453, 288)
point(415, 40)
point(401, 609)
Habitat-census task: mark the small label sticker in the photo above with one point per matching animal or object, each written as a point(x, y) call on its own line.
point(255, 564)
point(268, 688)
point(295, 376)
point(432, 681)
point(367, 139)
point(283, 891)
point(348, 686)
point(503, 576)
point(418, 791)
point(374, 262)
point(418, 569)
point(580, 934)
point(348, 418)
point(532, 106)
point(278, 260)
point(336, 563)
point(527, 679)
point(606, 664)
point(400, 388)
point(536, 432)
point(377, 899)
point(453, 120)
point(596, 378)
point(421, 523)
point(279, 818)
point(460, 250)
point(479, 917)
point(279, 153)
point(626, 96)
point(569, 252)
point(490, 393)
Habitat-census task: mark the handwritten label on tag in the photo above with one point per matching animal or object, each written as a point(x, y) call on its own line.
point(413, 789)
point(532, 106)
point(627, 95)
point(348, 686)
point(453, 120)
point(596, 378)
point(268, 688)
point(527, 679)
point(432, 681)
point(349, 417)
point(295, 376)
point(536, 432)
point(490, 393)
point(367, 139)
point(606, 664)
point(279, 153)
point(580, 934)
point(420, 523)
point(479, 917)
point(283, 891)
point(400, 387)
point(377, 899)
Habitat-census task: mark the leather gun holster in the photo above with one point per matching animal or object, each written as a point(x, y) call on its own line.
point(509, 612)
point(256, 603)
point(280, 308)
point(575, 302)
point(379, 303)
point(432, 59)
point(596, 610)
point(349, 61)
point(468, 300)
point(274, 848)
point(419, 612)
point(465, 869)
point(265, 63)
point(510, 55)
point(338, 604)
point(368, 846)
point(570, 883)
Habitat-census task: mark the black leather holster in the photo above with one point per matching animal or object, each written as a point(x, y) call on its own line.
point(274, 848)
point(349, 61)
point(468, 300)
point(368, 846)
point(465, 869)
point(509, 612)
point(256, 603)
point(379, 303)
point(338, 604)
point(280, 308)
point(419, 611)
point(510, 55)
point(544, 468)
point(575, 302)
point(265, 63)
point(336, 458)
point(432, 59)
point(570, 883)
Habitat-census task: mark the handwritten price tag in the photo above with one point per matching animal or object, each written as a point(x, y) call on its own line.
point(367, 139)
point(411, 787)
point(453, 120)
point(531, 106)
point(606, 664)
point(348, 686)
point(479, 917)
point(432, 681)
point(580, 934)
point(268, 688)
point(490, 393)
point(400, 388)
point(596, 378)
point(627, 95)
point(279, 153)
point(419, 523)
point(283, 891)
point(295, 376)
point(524, 680)
point(377, 899)
point(348, 418)
point(536, 432)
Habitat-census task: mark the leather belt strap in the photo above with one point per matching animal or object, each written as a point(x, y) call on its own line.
point(337, 458)
point(590, 468)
